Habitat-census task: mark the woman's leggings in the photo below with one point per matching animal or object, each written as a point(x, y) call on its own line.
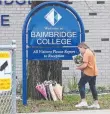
point(92, 83)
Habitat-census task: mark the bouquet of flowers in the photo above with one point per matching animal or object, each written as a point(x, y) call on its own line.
point(78, 60)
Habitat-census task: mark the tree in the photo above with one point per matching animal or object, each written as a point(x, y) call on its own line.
point(39, 71)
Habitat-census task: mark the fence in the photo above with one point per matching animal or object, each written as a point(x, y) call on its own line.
point(8, 79)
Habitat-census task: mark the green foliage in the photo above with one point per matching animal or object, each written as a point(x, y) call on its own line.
point(108, 87)
point(101, 88)
point(68, 104)
point(19, 87)
point(78, 59)
point(72, 84)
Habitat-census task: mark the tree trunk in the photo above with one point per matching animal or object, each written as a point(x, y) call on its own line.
point(39, 71)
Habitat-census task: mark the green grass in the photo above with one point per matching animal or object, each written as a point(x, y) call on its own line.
point(68, 104)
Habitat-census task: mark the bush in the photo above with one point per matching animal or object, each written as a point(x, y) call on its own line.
point(72, 84)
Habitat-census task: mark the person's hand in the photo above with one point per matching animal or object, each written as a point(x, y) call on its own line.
point(78, 68)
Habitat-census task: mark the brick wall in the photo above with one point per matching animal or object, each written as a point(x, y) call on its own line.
point(17, 14)
point(95, 16)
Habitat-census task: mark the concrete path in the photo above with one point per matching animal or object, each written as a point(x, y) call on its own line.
point(75, 112)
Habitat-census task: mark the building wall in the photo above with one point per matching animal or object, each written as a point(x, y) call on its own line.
point(95, 16)
point(17, 14)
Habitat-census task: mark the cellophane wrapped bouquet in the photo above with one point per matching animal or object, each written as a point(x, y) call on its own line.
point(78, 60)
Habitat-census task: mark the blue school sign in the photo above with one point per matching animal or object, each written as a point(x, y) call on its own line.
point(51, 31)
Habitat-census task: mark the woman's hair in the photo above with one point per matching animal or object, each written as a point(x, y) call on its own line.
point(85, 46)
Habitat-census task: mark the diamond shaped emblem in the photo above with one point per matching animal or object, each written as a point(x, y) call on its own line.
point(53, 17)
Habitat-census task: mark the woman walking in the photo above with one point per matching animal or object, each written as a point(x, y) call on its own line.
point(89, 74)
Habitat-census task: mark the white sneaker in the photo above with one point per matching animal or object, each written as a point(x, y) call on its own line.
point(94, 106)
point(82, 104)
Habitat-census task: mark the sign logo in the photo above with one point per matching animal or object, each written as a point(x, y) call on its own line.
point(53, 17)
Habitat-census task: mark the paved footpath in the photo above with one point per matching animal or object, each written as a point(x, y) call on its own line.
point(75, 112)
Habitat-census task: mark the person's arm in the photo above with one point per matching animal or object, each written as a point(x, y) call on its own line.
point(83, 66)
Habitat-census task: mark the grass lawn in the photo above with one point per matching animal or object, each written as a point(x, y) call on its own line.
point(68, 104)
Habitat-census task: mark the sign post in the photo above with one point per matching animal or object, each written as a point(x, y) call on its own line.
point(51, 31)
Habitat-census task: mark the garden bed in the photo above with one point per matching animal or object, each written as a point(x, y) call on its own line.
point(68, 104)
